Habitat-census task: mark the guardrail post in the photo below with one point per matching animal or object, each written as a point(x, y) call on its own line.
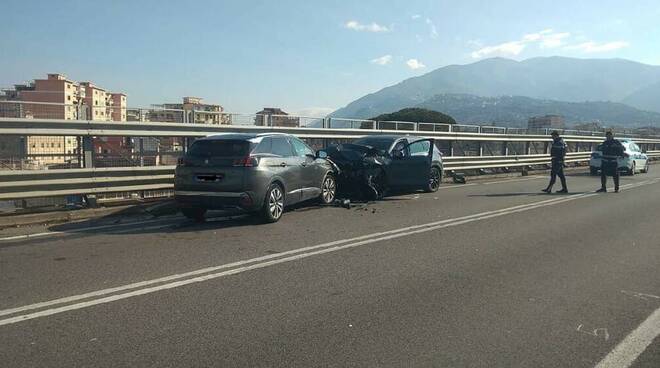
point(141, 147)
point(88, 151)
point(505, 148)
point(451, 147)
point(480, 147)
point(528, 148)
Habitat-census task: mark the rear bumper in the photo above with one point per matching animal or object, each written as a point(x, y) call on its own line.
point(216, 200)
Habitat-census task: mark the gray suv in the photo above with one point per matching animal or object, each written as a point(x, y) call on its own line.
point(257, 173)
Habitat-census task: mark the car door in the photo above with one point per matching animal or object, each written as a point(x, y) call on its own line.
point(640, 159)
point(285, 166)
point(311, 171)
point(411, 164)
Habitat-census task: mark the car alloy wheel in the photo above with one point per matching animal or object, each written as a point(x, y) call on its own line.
point(275, 202)
point(329, 189)
point(434, 179)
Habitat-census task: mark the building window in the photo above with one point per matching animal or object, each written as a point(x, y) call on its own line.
point(68, 86)
point(42, 145)
point(68, 98)
point(96, 113)
point(52, 145)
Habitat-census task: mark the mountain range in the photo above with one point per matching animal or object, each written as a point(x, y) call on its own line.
point(616, 88)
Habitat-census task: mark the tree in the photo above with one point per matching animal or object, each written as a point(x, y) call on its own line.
point(416, 115)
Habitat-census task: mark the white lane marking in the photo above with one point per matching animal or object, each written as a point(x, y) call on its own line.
point(242, 268)
point(81, 230)
point(625, 353)
point(456, 186)
point(240, 263)
point(513, 180)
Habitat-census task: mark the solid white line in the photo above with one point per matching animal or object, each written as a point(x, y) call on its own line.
point(625, 353)
point(242, 268)
point(456, 186)
point(240, 263)
point(265, 261)
point(513, 180)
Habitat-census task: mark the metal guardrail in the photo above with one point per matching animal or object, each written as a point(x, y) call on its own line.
point(44, 183)
point(59, 127)
point(23, 184)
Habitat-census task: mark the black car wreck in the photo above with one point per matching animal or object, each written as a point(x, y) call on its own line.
point(372, 166)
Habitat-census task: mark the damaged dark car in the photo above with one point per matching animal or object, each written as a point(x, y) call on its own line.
point(373, 166)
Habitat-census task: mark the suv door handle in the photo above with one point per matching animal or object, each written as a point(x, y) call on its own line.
point(283, 164)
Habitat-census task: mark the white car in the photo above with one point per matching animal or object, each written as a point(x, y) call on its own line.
point(633, 160)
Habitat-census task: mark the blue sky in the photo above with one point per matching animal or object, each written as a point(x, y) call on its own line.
point(304, 56)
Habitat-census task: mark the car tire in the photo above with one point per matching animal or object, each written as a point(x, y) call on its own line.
point(196, 214)
point(435, 178)
point(593, 170)
point(273, 206)
point(328, 189)
point(646, 168)
point(632, 170)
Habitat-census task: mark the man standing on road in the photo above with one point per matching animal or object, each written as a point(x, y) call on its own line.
point(558, 153)
point(611, 149)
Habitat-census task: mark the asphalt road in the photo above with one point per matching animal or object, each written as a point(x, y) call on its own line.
point(489, 274)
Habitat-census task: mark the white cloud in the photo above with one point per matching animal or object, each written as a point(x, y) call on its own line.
point(373, 27)
point(432, 30)
point(383, 60)
point(554, 40)
point(415, 16)
point(415, 64)
point(593, 47)
point(504, 49)
point(546, 39)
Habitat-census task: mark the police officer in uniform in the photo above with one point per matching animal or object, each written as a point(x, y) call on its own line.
point(558, 153)
point(611, 149)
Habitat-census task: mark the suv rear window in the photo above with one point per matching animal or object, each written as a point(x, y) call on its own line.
point(219, 148)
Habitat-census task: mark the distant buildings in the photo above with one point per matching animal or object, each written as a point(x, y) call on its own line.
point(56, 97)
point(274, 116)
point(546, 122)
point(192, 110)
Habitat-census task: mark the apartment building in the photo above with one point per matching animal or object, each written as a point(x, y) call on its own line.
point(57, 97)
point(274, 116)
point(192, 110)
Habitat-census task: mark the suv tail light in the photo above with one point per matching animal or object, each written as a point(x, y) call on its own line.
point(247, 161)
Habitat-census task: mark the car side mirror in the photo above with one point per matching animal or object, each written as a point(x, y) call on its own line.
point(397, 154)
point(321, 154)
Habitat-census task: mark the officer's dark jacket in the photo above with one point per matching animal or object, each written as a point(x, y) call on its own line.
point(558, 150)
point(611, 150)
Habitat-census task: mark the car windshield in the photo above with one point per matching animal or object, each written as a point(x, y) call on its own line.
point(219, 148)
point(382, 144)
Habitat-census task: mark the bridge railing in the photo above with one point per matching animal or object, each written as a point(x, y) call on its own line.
point(74, 142)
